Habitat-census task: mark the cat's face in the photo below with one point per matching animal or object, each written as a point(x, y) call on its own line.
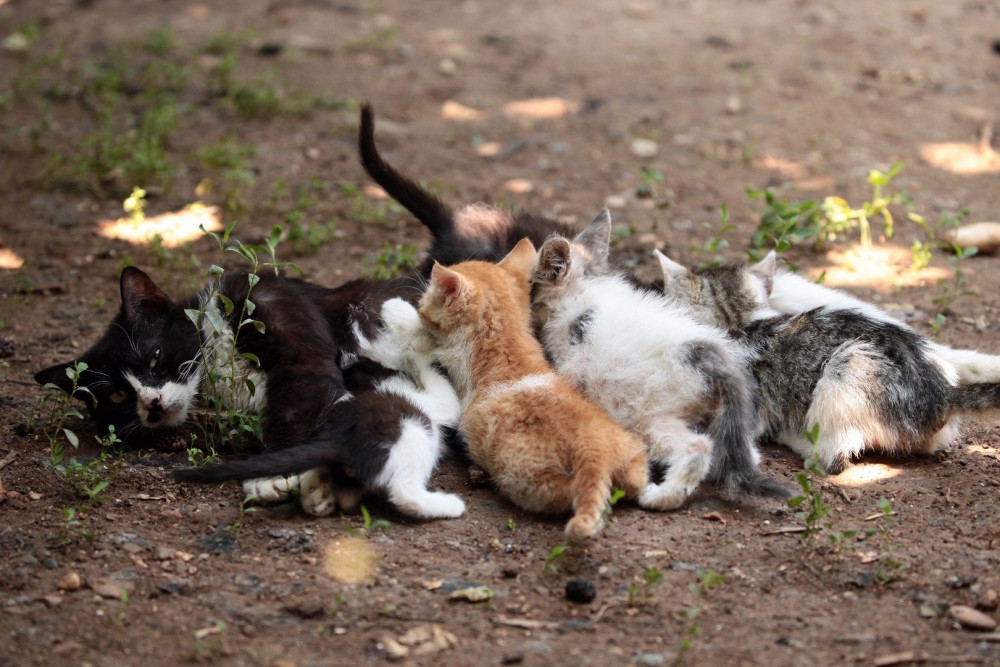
point(563, 265)
point(459, 297)
point(727, 296)
point(141, 373)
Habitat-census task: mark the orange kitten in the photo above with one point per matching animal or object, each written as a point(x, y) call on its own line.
point(546, 447)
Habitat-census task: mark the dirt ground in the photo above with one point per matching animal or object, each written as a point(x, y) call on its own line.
point(720, 95)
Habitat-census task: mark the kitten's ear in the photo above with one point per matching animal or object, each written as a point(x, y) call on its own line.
point(141, 298)
point(448, 282)
point(597, 238)
point(521, 260)
point(56, 375)
point(554, 260)
point(671, 269)
point(764, 269)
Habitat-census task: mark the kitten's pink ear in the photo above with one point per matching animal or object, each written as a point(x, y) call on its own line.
point(141, 298)
point(764, 269)
point(553, 260)
point(521, 260)
point(448, 282)
point(671, 269)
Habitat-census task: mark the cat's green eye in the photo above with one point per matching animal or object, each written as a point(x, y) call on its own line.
point(155, 358)
point(117, 397)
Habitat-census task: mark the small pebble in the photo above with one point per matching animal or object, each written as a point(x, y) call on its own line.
point(69, 582)
point(988, 600)
point(644, 147)
point(580, 590)
point(971, 618)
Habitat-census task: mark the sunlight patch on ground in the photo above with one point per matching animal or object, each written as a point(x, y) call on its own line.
point(175, 228)
point(350, 560)
point(860, 474)
point(785, 168)
point(962, 158)
point(542, 108)
point(452, 110)
point(985, 450)
point(878, 266)
point(10, 259)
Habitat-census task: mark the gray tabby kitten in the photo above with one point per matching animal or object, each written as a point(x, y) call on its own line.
point(869, 383)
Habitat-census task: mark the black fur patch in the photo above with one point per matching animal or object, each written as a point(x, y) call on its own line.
point(578, 327)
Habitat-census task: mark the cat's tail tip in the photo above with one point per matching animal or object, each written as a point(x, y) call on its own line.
point(760, 486)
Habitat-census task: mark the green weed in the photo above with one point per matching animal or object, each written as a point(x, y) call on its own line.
point(641, 591)
point(391, 261)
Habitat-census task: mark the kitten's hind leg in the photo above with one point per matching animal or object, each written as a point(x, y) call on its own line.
point(271, 489)
point(408, 469)
point(591, 488)
point(689, 457)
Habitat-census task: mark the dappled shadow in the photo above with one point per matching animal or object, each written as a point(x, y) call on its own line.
point(877, 267)
point(861, 474)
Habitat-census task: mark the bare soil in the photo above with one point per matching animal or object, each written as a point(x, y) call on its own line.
point(809, 94)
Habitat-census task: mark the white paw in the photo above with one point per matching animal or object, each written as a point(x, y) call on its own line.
point(271, 489)
point(318, 496)
point(399, 315)
point(661, 498)
point(444, 506)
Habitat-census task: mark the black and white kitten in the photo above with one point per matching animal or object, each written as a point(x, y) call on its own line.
point(384, 435)
point(870, 383)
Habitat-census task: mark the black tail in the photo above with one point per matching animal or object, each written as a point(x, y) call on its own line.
point(282, 462)
point(428, 209)
point(975, 396)
point(732, 429)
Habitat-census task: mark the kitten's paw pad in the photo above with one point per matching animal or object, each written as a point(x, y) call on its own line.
point(582, 527)
point(271, 489)
point(656, 497)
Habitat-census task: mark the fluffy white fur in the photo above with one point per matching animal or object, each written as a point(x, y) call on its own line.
point(792, 294)
point(628, 362)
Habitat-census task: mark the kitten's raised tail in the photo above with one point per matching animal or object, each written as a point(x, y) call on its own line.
point(282, 462)
point(437, 216)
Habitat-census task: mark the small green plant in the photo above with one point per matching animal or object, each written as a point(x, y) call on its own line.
point(783, 222)
point(73, 526)
point(556, 555)
point(391, 261)
point(641, 591)
point(368, 524)
point(707, 580)
point(135, 206)
point(815, 511)
point(511, 526)
point(714, 244)
point(199, 459)
point(889, 568)
point(650, 184)
point(230, 374)
point(616, 495)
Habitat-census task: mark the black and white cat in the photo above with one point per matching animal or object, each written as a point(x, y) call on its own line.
point(384, 435)
point(869, 382)
point(147, 371)
point(677, 383)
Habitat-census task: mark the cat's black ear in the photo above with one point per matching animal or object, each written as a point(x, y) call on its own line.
point(141, 298)
point(56, 375)
point(597, 238)
point(764, 269)
point(554, 259)
point(671, 269)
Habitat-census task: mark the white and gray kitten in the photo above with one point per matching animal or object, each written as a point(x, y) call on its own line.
point(677, 383)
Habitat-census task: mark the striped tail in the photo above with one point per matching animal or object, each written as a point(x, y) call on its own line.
point(975, 396)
